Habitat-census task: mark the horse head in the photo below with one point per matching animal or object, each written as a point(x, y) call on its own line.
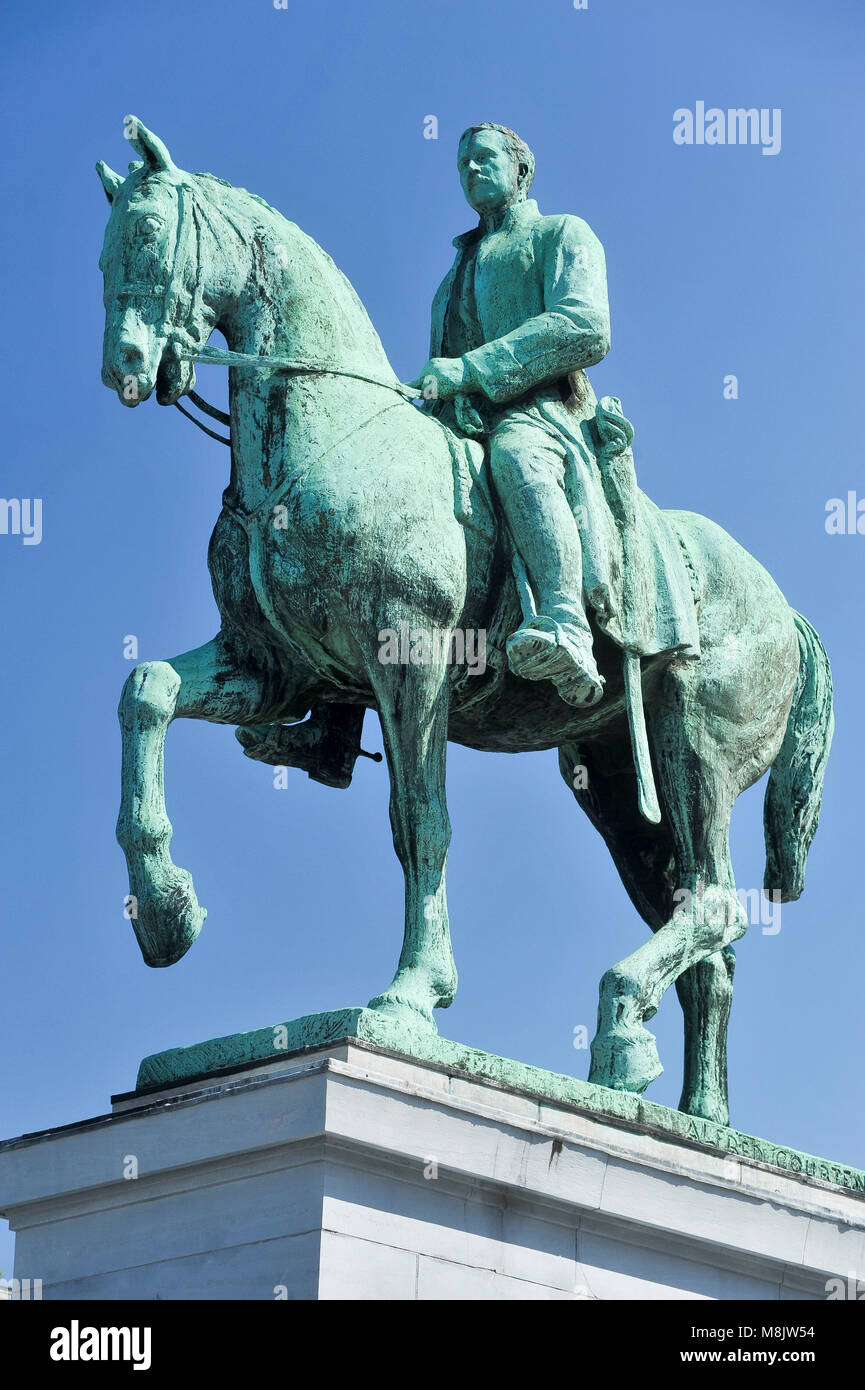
point(157, 307)
point(186, 253)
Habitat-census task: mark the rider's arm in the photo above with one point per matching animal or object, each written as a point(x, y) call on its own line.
point(573, 331)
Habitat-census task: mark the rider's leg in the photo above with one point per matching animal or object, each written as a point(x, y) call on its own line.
point(528, 471)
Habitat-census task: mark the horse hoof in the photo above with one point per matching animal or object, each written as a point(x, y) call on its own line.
point(167, 923)
point(412, 997)
point(625, 1059)
point(707, 1106)
point(410, 1017)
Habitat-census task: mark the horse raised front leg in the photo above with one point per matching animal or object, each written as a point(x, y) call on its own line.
point(413, 707)
point(207, 683)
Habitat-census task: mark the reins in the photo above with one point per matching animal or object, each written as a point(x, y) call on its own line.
point(208, 410)
point(221, 357)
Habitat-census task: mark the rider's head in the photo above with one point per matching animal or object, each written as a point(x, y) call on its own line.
point(495, 166)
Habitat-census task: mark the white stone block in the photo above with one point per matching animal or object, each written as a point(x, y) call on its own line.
point(350, 1173)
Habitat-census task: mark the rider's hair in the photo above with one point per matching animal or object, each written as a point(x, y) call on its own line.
point(518, 147)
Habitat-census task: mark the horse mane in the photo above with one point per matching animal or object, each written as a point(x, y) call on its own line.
point(235, 188)
point(232, 202)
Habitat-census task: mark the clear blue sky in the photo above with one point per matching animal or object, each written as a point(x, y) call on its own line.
point(721, 260)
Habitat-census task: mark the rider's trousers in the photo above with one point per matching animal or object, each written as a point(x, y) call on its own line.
point(528, 470)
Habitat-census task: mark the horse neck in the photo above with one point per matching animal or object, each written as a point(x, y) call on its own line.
point(295, 303)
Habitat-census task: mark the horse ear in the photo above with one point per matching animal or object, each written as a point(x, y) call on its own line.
point(111, 182)
point(146, 144)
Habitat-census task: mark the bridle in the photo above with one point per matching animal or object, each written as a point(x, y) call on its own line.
point(174, 288)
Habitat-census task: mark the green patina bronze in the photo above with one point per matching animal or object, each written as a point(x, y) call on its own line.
point(650, 649)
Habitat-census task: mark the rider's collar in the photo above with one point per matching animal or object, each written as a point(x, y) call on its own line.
point(524, 211)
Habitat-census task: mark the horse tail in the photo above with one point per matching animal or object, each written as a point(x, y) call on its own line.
point(792, 806)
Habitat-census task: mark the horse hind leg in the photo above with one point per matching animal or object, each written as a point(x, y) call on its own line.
point(213, 683)
point(644, 855)
point(698, 792)
point(642, 852)
point(706, 993)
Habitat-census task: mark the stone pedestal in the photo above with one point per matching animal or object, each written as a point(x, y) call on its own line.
point(350, 1171)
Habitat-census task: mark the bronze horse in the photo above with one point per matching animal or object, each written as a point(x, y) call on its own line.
point(339, 521)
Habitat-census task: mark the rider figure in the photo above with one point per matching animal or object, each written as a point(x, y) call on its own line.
point(523, 307)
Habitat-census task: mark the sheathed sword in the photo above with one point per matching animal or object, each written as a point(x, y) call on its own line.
point(620, 486)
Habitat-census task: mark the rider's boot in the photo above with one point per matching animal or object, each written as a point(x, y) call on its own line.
point(326, 745)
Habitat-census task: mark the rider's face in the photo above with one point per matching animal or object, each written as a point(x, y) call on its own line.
point(488, 171)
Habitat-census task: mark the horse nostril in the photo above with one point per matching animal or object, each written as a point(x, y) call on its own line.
point(131, 356)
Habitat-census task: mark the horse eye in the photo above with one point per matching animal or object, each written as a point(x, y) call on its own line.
point(151, 224)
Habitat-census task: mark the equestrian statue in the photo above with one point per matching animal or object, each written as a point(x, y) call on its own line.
point(495, 495)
